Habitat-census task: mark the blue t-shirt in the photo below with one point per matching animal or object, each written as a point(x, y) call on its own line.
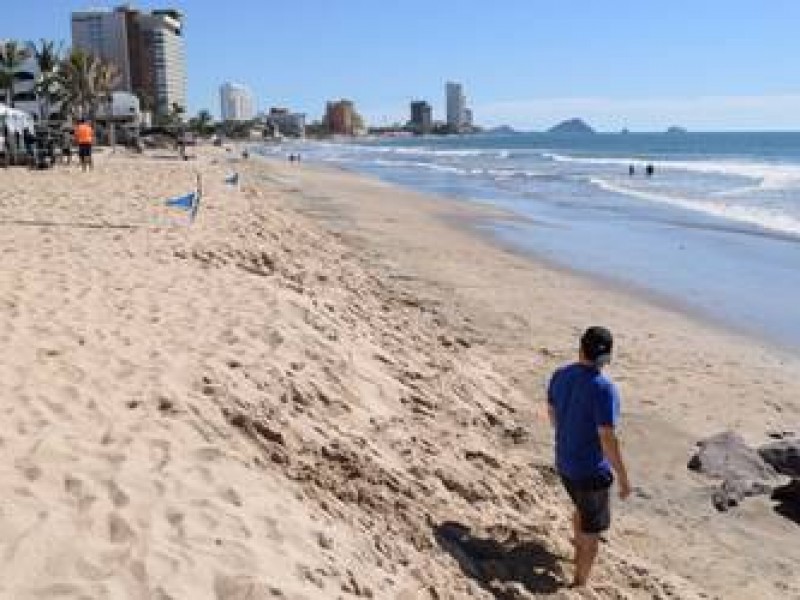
point(583, 400)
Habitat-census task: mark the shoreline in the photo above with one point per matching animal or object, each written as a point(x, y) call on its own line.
point(699, 264)
point(481, 226)
point(481, 218)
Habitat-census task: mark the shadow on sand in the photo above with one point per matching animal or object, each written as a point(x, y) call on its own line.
point(788, 497)
point(491, 563)
point(68, 225)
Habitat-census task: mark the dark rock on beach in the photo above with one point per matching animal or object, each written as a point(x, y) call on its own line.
point(741, 468)
point(783, 456)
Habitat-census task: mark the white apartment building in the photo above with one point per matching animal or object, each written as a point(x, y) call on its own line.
point(147, 48)
point(237, 102)
point(163, 39)
point(25, 78)
point(456, 106)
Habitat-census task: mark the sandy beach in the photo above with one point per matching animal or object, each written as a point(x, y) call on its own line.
point(328, 387)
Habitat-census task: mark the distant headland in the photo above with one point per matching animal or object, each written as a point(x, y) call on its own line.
point(502, 130)
point(572, 126)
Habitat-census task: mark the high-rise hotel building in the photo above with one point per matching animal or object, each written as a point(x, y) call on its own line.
point(236, 102)
point(456, 106)
point(146, 47)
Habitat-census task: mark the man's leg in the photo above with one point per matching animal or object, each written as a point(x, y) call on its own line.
point(576, 527)
point(585, 553)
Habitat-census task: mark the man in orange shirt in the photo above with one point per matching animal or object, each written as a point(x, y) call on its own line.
point(84, 137)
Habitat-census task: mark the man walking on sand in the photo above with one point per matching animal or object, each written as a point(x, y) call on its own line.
point(584, 409)
point(84, 138)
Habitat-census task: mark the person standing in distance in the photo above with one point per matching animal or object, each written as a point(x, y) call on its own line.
point(84, 138)
point(584, 408)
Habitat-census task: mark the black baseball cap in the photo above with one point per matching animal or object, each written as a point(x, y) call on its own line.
point(597, 343)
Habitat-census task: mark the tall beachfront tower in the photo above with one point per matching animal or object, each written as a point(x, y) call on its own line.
point(340, 117)
point(104, 33)
point(237, 102)
point(456, 106)
point(146, 47)
point(421, 117)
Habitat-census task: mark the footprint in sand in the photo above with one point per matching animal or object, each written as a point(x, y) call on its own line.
point(177, 520)
point(159, 454)
point(231, 496)
point(30, 471)
point(209, 454)
point(273, 532)
point(115, 494)
point(119, 532)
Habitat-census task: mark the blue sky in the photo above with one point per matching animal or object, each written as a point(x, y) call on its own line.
point(705, 64)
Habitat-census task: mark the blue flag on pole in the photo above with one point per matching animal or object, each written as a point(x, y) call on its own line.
point(186, 201)
point(196, 205)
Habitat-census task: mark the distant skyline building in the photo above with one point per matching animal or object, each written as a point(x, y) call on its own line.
point(237, 102)
point(340, 117)
point(104, 33)
point(24, 82)
point(421, 117)
point(146, 47)
point(456, 106)
point(285, 122)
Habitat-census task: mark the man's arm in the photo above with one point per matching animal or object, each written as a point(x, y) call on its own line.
point(611, 450)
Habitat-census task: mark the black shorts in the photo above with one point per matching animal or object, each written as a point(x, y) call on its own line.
point(592, 499)
point(85, 150)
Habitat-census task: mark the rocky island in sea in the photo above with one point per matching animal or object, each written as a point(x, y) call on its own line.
point(572, 126)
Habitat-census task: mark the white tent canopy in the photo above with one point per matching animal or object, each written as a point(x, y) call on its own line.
point(15, 120)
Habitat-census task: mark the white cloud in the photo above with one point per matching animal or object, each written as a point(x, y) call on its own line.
point(778, 112)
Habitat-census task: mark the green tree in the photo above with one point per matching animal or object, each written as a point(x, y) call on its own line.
point(106, 77)
point(77, 79)
point(202, 124)
point(48, 57)
point(86, 82)
point(12, 55)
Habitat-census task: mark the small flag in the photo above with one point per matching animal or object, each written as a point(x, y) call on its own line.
point(233, 179)
point(196, 205)
point(186, 201)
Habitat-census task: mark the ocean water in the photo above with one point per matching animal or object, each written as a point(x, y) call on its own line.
point(716, 230)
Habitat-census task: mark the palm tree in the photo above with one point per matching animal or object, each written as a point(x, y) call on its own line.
point(176, 113)
point(12, 55)
point(48, 59)
point(6, 82)
point(76, 77)
point(204, 121)
point(86, 82)
point(106, 77)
